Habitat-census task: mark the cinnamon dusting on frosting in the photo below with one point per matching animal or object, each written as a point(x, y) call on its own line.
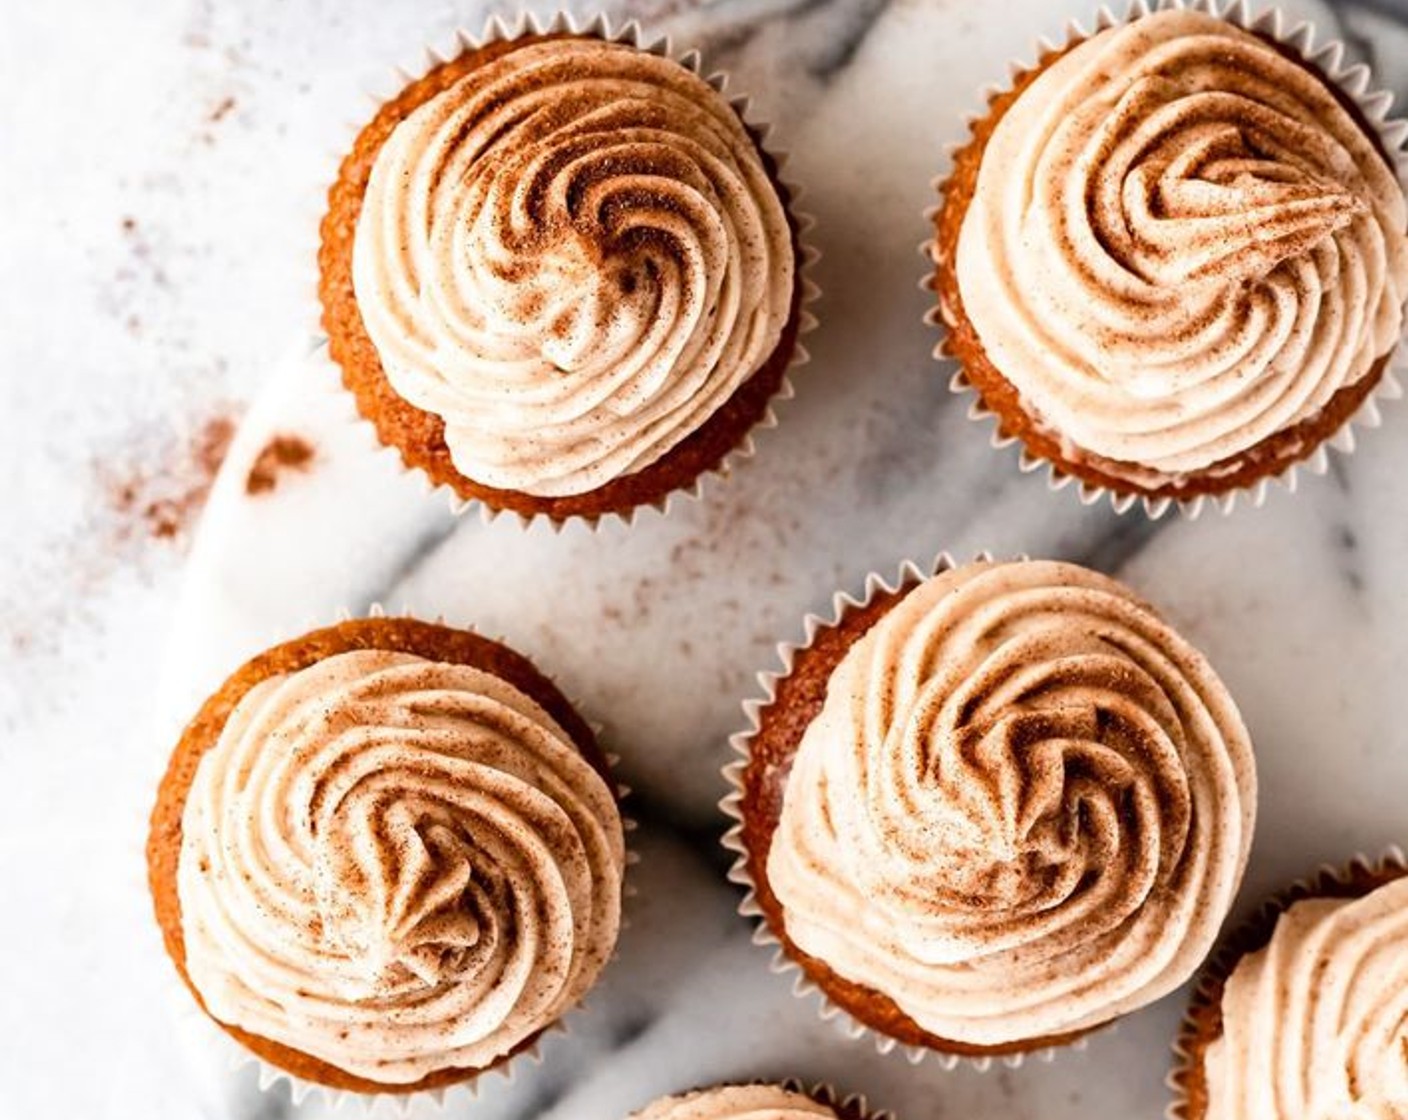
point(497, 225)
point(1315, 1024)
point(1180, 245)
point(1022, 810)
point(396, 866)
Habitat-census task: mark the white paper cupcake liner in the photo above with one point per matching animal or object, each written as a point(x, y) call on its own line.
point(633, 34)
point(193, 1023)
point(1220, 965)
point(827, 1094)
point(803, 986)
point(1353, 79)
point(853, 1105)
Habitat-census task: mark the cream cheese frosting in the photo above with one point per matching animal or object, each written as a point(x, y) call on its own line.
point(1023, 809)
point(1315, 1026)
point(574, 255)
point(738, 1102)
point(396, 866)
point(1180, 243)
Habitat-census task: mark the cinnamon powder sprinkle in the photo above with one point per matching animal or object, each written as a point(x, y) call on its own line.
point(163, 504)
point(282, 453)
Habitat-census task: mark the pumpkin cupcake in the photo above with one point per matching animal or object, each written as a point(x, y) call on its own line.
point(1304, 1014)
point(989, 811)
point(1172, 258)
point(559, 274)
point(790, 1101)
point(386, 856)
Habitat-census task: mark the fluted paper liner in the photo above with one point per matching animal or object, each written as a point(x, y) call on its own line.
point(852, 1106)
point(633, 34)
point(236, 1058)
point(1328, 56)
point(1352, 879)
point(843, 603)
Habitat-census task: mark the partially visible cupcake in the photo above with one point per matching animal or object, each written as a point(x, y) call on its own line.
point(1172, 258)
point(1304, 1016)
point(559, 274)
point(759, 1102)
point(386, 856)
point(989, 811)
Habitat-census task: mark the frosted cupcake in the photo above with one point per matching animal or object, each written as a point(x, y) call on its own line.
point(387, 856)
point(758, 1102)
point(559, 275)
point(1305, 1015)
point(989, 811)
point(1172, 257)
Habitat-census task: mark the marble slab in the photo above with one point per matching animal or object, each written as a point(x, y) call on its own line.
point(658, 628)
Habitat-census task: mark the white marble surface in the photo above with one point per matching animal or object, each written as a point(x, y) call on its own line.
point(162, 170)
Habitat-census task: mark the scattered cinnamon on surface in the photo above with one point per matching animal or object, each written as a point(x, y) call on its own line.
point(162, 504)
point(282, 453)
point(139, 507)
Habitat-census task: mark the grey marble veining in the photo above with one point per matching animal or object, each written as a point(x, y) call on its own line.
point(657, 629)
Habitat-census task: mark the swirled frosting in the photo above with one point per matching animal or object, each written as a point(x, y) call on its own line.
point(1023, 809)
point(396, 866)
point(1181, 243)
point(738, 1102)
point(574, 255)
point(1315, 1026)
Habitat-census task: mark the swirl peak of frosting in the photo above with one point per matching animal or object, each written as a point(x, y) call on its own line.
point(574, 255)
point(396, 866)
point(1181, 243)
point(1315, 1025)
point(738, 1102)
point(1023, 809)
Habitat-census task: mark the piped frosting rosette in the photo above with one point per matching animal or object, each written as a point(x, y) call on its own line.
point(1022, 810)
point(1184, 242)
point(396, 866)
point(1304, 1015)
point(1316, 1024)
point(574, 255)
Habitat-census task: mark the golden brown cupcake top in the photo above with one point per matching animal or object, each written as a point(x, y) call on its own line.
point(396, 866)
point(574, 256)
point(1315, 1025)
point(1023, 810)
point(738, 1102)
point(1180, 243)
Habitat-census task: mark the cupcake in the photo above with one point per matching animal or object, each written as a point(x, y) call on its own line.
point(386, 856)
point(559, 274)
point(1172, 258)
point(759, 1102)
point(989, 811)
point(1305, 1014)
